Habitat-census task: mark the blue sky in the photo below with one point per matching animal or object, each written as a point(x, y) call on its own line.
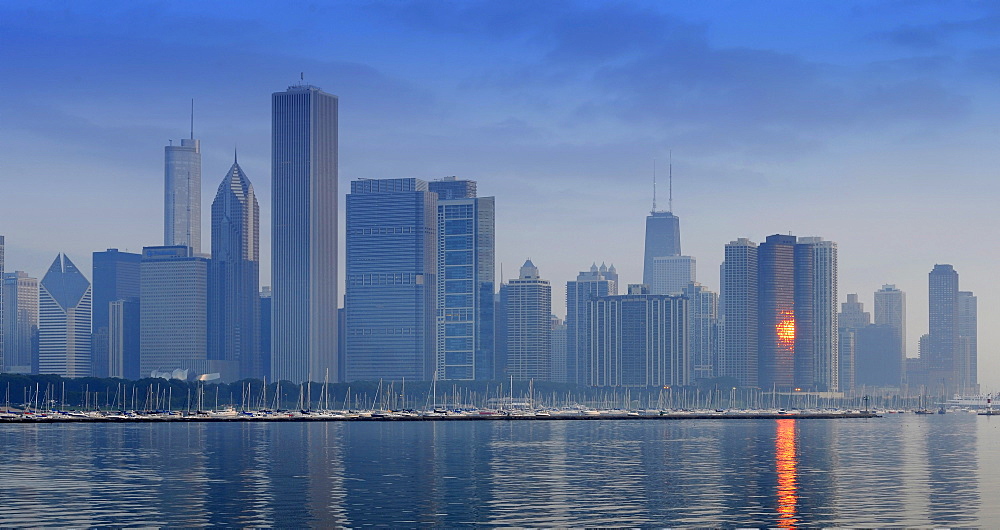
point(873, 124)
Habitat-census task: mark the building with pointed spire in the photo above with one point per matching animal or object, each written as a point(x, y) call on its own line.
point(529, 325)
point(234, 276)
point(588, 286)
point(64, 320)
point(663, 234)
point(182, 192)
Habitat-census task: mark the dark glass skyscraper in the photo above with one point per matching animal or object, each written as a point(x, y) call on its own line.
point(116, 277)
point(663, 238)
point(304, 234)
point(391, 287)
point(465, 323)
point(234, 300)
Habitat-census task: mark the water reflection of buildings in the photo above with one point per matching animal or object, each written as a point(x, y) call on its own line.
point(786, 461)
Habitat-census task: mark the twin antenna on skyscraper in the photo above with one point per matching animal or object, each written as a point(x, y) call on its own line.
point(670, 198)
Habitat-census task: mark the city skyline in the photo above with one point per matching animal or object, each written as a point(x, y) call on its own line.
point(888, 183)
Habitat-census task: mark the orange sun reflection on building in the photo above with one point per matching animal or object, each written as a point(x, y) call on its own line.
point(785, 462)
point(786, 329)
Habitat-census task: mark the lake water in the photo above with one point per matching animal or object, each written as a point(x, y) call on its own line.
point(901, 470)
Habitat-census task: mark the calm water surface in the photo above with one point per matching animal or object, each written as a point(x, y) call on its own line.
point(901, 470)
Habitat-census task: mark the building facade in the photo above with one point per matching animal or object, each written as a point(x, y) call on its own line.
point(182, 194)
point(968, 343)
point(529, 326)
point(703, 331)
point(64, 312)
point(890, 310)
point(124, 338)
point(20, 324)
point(663, 238)
point(116, 277)
point(304, 234)
point(671, 274)
point(851, 320)
point(465, 289)
point(392, 263)
point(174, 314)
point(234, 276)
point(589, 285)
point(639, 340)
point(942, 337)
point(738, 306)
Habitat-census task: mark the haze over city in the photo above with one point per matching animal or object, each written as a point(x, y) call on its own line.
point(868, 124)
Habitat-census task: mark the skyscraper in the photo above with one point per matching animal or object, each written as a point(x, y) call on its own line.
point(558, 350)
point(116, 277)
point(124, 338)
point(663, 238)
point(304, 234)
point(639, 339)
point(738, 306)
point(703, 330)
point(465, 287)
point(20, 324)
point(589, 285)
point(182, 192)
point(671, 274)
point(529, 326)
point(942, 337)
point(967, 355)
point(851, 320)
point(174, 313)
point(391, 290)
point(234, 299)
point(797, 320)
point(2, 325)
point(265, 332)
point(890, 309)
point(64, 320)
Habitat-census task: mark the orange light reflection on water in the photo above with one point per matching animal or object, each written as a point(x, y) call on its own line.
point(785, 462)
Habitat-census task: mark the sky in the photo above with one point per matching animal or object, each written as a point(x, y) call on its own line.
point(871, 124)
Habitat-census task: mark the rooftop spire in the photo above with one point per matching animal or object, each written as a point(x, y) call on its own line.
point(670, 199)
point(654, 187)
point(192, 118)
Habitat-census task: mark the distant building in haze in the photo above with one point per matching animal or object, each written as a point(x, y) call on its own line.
point(942, 337)
point(671, 274)
point(851, 320)
point(558, 350)
point(265, 331)
point(304, 234)
point(890, 310)
point(392, 263)
point(639, 340)
point(738, 306)
point(967, 354)
point(234, 276)
point(663, 238)
point(703, 330)
point(2, 325)
point(589, 285)
point(20, 323)
point(124, 338)
point(182, 194)
point(174, 314)
point(529, 326)
point(64, 307)
point(116, 277)
point(465, 288)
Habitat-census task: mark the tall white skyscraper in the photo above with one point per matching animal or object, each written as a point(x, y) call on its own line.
point(182, 192)
point(529, 325)
point(64, 321)
point(304, 235)
point(826, 331)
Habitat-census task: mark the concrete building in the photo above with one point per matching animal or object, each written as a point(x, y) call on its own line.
point(304, 234)
point(465, 289)
point(738, 306)
point(703, 330)
point(589, 285)
point(639, 340)
point(391, 293)
point(967, 362)
point(529, 326)
point(64, 313)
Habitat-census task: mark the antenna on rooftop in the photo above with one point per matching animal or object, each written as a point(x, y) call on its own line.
point(654, 186)
point(192, 118)
point(670, 198)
